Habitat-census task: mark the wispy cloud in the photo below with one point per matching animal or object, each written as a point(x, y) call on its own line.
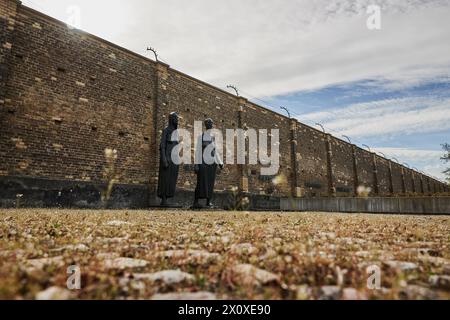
point(386, 117)
point(411, 154)
point(426, 160)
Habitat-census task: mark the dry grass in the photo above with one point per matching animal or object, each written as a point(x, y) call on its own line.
point(303, 253)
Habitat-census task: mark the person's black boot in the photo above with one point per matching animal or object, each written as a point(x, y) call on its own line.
point(196, 205)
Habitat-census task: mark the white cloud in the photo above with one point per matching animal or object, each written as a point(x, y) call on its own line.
point(111, 20)
point(386, 117)
point(411, 154)
point(425, 160)
point(277, 47)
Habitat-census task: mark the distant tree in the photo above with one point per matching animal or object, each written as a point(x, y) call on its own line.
point(446, 158)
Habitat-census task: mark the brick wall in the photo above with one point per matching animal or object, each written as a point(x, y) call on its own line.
point(8, 12)
point(397, 179)
point(67, 95)
point(312, 162)
point(254, 117)
point(383, 176)
point(365, 169)
point(408, 181)
point(342, 162)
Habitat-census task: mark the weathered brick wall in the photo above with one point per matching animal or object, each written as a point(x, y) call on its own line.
point(425, 184)
point(69, 97)
point(342, 162)
point(383, 176)
point(255, 117)
point(415, 182)
point(433, 186)
point(408, 180)
point(66, 96)
point(397, 178)
point(438, 187)
point(313, 161)
point(365, 169)
point(418, 181)
point(8, 12)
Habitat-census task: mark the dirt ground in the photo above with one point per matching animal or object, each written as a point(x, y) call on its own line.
point(222, 255)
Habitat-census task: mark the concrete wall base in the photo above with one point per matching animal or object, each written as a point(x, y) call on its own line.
point(48, 193)
point(406, 205)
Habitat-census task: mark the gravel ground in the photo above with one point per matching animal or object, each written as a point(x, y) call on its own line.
point(222, 255)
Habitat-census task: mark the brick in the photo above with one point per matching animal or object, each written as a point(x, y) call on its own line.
point(57, 146)
point(37, 25)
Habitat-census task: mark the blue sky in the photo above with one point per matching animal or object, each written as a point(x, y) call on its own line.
point(386, 88)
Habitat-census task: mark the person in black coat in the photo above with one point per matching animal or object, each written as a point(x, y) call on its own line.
point(168, 170)
point(206, 173)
